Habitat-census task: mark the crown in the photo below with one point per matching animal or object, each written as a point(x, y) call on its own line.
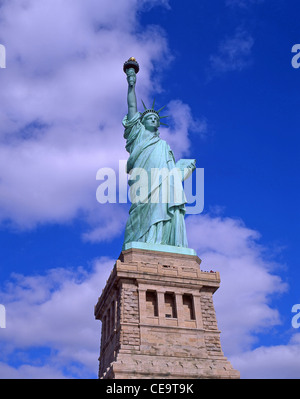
point(153, 111)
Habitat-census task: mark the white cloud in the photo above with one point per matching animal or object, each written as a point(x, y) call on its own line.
point(273, 362)
point(234, 54)
point(63, 100)
point(247, 278)
point(53, 311)
point(29, 372)
point(106, 222)
point(182, 123)
point(243, 3)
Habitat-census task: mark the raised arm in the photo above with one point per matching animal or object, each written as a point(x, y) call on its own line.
point(131, 96)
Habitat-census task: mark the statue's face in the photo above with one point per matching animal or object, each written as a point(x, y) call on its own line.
point(151, 122)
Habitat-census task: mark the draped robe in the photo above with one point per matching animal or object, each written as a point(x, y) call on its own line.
point(156, 218)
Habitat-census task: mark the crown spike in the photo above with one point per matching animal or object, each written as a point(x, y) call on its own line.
point(153, 104)
point(144, 105)
point(161, 109)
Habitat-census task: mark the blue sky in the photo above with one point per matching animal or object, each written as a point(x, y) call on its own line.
point(223, 68)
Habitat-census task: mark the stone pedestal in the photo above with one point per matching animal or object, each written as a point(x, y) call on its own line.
point(158, 319)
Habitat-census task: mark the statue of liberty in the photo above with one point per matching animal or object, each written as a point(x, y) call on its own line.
point(157, 216)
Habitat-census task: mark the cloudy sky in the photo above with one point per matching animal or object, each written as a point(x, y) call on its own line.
point(223, 69)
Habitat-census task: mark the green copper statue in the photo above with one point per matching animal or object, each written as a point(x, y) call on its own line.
point(155, 218)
